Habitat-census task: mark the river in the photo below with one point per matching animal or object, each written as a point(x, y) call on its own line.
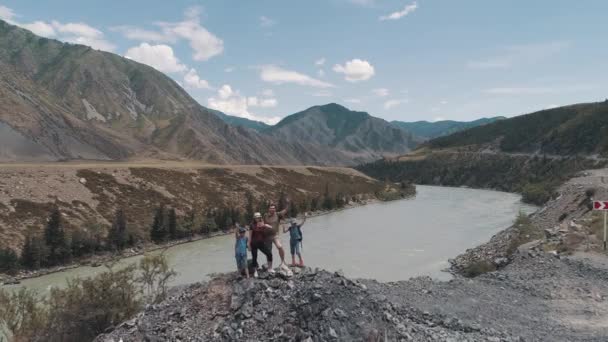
point(384, 241)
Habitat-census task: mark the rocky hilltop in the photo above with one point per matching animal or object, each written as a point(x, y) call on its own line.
point(537, 298)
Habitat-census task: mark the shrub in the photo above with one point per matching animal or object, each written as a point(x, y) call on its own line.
point(479, 267)
point(86, 307)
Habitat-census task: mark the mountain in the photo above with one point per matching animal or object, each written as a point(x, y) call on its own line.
point(358, 134)
point(242, 122)
point(430, 130)
point(569, 130)
point(63, 101)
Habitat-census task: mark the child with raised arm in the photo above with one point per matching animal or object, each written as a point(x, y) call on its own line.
point(295, 240)
point(240, 250)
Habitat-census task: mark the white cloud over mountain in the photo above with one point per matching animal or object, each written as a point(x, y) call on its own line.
point(355, 70)
point(278, 75)
point(159, 56)
point(233, 103)
point(204, 44)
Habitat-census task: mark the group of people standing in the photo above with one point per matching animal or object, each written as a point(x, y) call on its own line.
point(264, 232)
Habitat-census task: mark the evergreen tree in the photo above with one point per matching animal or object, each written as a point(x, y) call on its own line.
point(249, 207)
point(34, 253)
point(118, 237)
point(210, 224)
point(328, 201)
point(172, 224)
point(9, 261)
point(58, 248)
point(159, 232)
point(293, 210)
point(314, 204)
point(283, 201)
point(189, 224)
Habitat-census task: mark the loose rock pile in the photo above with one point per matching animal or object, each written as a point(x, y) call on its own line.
point(311, 306)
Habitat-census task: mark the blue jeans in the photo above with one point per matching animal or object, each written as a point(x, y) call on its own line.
point(241, 261)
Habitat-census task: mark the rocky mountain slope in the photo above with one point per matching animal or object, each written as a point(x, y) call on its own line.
point(64, 101)
point(89, 193)
point(431, 130)
point(359, 134)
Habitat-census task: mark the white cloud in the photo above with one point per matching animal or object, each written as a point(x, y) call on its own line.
point(277, 75)
point(7, 14)
point(510, 56)
point(229, 69)
point(231, 102)
point(320, 61)
point(382, 92)
point(352, 100)
point(439, 118)
point(159, 56)
point(193, 80)
point(519, 90)
point(136, 33)
point(393, 103)
point(355, 70)
point(443, 102)
point(78, 33)
point(40, 28)
point(263, 103)
point(322, 94)
point(321, 73)
point(363, 2)
point(204, 44)
point(400, 14)
point(268, 92)
point(266, 22)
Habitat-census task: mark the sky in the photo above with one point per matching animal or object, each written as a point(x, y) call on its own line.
point(398, 60)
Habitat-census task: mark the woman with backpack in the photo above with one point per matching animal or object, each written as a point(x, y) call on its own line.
point(295, 240)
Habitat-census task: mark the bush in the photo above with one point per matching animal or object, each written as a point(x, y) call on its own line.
point(479, 267)
point(86, 307)
point(538, 193)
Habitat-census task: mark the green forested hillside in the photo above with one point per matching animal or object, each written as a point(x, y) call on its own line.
point(431, 130)
point(576, 129)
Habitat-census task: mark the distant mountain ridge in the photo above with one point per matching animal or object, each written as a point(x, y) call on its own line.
point(242, 122)
point(569, 130)
point(61, 101)
point(431, 130)
point(358, 133)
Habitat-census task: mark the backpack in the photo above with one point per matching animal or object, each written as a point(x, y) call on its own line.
point(300, 232)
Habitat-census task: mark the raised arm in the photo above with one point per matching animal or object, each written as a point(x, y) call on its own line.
point(303, 220)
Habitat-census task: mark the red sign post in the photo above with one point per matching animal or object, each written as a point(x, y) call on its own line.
point(602, 206)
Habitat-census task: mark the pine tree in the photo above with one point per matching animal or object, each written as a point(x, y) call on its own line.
point(56, 241)
point(293, 211)
point(249, 207)
point(328, 201)
point(283, 202)
point(209, 225)
point(172, 224)
point(189, 224)
point(9, 261)
point(158, 232)
point(118, 237)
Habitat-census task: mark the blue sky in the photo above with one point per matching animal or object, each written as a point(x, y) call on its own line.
point(398, 60)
